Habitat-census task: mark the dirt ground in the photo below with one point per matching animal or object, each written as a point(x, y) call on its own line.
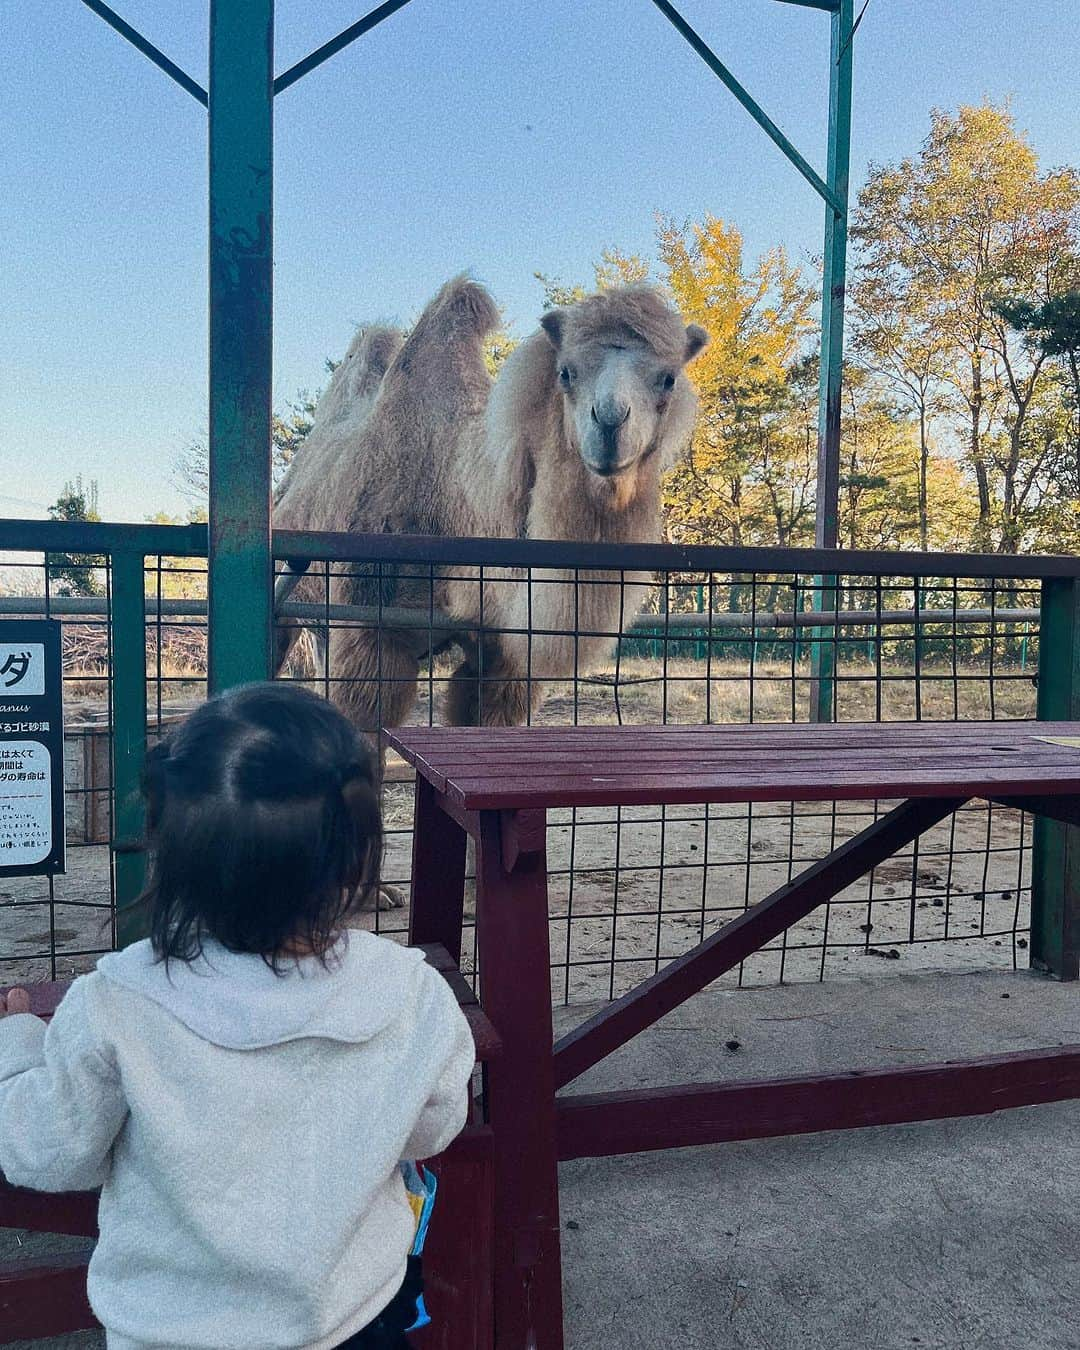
point(632, 889)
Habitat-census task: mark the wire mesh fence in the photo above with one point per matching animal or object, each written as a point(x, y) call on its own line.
point(634, 887)
point(566, 639)
point(58, 924)
point(55, 926)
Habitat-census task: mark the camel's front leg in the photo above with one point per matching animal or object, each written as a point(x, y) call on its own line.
point(491, 688)
point(378, 691)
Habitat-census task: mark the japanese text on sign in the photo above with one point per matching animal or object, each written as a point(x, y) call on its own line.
point(31, 748)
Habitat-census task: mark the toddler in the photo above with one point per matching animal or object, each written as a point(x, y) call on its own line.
point(243, 1084)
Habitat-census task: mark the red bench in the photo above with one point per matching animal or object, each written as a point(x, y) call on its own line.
point(49, 1299)
point(496, 786)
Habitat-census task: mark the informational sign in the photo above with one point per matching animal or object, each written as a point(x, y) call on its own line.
point(31, 748)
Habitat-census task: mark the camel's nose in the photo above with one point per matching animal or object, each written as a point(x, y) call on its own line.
point(610, 416)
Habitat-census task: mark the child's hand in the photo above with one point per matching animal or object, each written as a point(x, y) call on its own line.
point(17, 1001)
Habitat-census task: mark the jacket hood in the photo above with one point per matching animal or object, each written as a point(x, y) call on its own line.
point(234, 999)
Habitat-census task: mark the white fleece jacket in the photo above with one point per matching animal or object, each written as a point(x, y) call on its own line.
point(246, 1130)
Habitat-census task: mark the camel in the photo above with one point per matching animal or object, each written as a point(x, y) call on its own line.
point(413, 437)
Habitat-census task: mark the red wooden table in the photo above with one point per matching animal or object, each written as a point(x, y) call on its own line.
point(496, 786)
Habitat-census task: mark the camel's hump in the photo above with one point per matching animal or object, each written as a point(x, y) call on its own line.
point(465, 304)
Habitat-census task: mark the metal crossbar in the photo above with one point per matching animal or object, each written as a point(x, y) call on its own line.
point(760, 116)
point(337, 44)
point(440, 623)
point(144, 45)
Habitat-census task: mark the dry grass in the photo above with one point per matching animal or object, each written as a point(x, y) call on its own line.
point(690, 692)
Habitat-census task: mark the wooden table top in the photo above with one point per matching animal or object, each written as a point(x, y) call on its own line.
point(522, 767)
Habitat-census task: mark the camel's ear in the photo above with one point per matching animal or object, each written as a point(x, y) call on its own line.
point(552, 323)
point(696, 338)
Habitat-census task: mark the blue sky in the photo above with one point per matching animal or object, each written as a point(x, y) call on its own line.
point(498, 136)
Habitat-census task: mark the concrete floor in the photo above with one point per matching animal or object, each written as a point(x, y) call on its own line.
point(955, 1235)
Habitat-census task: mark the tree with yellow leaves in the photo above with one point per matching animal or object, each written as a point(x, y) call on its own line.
point(948, 240)
point(749, 477)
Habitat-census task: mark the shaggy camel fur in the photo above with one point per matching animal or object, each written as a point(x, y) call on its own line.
point(570, 443)
point(314, 492)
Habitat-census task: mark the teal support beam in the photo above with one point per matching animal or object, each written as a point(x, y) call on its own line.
point(834, 282)
point(152, 53)
point(760, 116)
point(357, 30)
point(241, 326)
point(128, 708)
point(1055, 860)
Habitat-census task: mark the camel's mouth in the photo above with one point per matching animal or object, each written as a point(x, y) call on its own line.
point(610, 470)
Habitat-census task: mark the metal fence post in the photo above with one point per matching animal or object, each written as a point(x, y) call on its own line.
point(241, 263)
point(834, 280)
point(1055, 860)
point(128, 709)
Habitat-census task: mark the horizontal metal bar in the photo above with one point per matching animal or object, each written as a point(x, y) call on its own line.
point(337, 44)
point(605, 1124)
point(97, 607)
point(37, 536)
point(80, 536)
point(750, 104)
point(556, 553)
point(148, 50)
point(440, 624)
point(828, 618)
point(830, 6)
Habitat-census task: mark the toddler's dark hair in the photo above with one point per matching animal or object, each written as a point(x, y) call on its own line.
point(263, 825)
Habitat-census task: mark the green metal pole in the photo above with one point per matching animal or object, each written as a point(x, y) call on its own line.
point(241, 261)
point(1055, 859)
point(823, 656)
point(128, 739)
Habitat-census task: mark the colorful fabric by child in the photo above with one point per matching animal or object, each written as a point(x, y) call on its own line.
point(420, 1187)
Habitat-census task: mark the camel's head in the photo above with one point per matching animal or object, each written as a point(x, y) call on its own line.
point(619, 359)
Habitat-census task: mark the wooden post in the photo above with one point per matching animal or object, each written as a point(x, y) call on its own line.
point(438, 874)
point(458, 1252)
point(512, 938)
point(1055, 863)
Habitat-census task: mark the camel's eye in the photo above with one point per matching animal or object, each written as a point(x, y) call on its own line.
point(566, 376)
point(667, 382)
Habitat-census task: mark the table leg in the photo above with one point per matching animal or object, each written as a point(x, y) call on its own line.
point(512, 938)
point(438, 874)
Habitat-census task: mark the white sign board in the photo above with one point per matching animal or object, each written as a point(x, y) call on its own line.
point(31, 748)
point(25, 803)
